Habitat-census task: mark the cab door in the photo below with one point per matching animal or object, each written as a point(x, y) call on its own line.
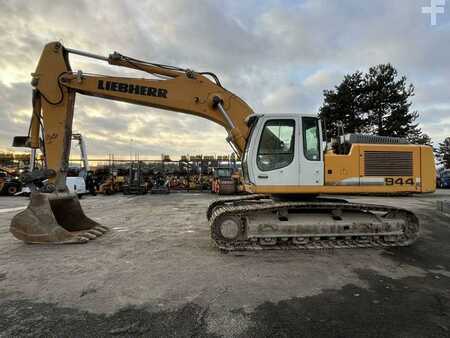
point(275, 152)
point(311, 152)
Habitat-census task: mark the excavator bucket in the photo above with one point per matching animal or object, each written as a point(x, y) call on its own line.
point(55, 218)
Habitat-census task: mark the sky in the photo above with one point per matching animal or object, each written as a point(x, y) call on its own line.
point(278, 56)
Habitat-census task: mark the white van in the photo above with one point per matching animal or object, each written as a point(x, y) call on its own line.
point(75, 185)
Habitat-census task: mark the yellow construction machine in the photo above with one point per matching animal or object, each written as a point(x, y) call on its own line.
point(285, 163)
point(9, 183)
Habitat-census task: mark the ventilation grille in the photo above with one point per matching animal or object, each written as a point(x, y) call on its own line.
point(388, 163)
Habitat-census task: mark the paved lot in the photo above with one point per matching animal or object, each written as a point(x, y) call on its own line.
point(158, 274)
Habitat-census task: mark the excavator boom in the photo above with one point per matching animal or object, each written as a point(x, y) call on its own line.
point(181, 90)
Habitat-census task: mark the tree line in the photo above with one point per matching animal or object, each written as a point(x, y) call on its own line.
point(377, 102)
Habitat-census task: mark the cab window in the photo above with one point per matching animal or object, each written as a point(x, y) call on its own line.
point(311, 138)
point(276, 146)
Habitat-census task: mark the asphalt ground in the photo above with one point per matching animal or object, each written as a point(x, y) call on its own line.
point(158, 274)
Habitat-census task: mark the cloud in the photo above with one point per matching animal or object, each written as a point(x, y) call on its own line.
point(15, 102)
point(278, 56)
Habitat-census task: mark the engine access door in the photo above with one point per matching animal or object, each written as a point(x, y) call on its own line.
point(274, 152)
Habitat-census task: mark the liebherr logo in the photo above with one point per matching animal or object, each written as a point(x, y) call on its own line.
point(131, 88)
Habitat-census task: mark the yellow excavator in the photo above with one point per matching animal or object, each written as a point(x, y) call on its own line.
point(285, 162)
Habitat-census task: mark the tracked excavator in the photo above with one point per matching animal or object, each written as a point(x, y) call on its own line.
point(284, 159)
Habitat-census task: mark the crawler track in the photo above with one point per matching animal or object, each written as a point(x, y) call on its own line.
point(242, 209)
point(233, 201)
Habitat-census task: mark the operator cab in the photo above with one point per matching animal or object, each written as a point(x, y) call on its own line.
point(284, 150)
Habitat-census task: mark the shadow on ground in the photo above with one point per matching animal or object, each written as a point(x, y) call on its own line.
point(408, 307)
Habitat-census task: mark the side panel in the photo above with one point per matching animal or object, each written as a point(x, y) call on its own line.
point(428, 169)
point(390, 167)
point(342, 169)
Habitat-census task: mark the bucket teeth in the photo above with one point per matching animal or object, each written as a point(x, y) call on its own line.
point(101, 228)
point(55, 218)
point(82, 239)
point(94, 232)
point(76, 240)
point(88, 235)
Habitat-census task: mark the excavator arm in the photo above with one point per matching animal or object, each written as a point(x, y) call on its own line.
point(53, 214)
point(180, 90)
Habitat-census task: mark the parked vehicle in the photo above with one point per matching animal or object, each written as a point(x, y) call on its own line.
point(227, 179)
point(75, 184)
point(444, 179)
point(9, 184)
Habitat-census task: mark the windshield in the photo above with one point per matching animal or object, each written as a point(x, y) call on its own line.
point(276, 147)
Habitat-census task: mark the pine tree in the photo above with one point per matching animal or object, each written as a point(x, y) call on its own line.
point(342, 104)
point(443, 153)
point(419, 137)
point(377, 102)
